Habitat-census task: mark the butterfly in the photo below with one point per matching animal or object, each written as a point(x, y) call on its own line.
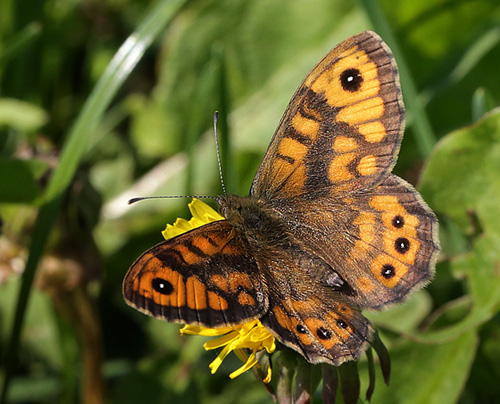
point(327, 230)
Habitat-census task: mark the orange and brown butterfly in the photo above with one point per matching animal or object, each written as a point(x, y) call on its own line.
point(326, 231)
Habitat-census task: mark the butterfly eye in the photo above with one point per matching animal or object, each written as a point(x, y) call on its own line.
point(162, 286)
point(351, 80)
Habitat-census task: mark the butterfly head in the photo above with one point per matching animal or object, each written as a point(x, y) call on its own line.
point(240, 211)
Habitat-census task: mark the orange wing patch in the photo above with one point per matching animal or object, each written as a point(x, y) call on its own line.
point(367, 165)
point(217, 302)
point(173, 279)
point(363, 111)
point(339, 170)
point(400, 236)
point(289, 163)
point(245, 299)
point(343, 144)
point(306, 126)
point(388, 270)
point(373, 132)
point(196, 294)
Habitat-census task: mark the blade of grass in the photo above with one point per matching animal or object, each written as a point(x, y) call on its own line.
point(471, 58)
point(425, 137)
point(482, 102)
point(19, 42)
point(76, 145)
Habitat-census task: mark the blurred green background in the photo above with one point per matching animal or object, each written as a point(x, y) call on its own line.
point(103, 100)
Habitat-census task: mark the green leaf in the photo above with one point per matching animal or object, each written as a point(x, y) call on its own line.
point(350, 384)
point(462, 178)
point(21, 115)
point(429, 373)
point(404, 317)
point(461, 183)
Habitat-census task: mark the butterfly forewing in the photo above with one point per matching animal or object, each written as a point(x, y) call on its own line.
point(202, 277)
point(342, 129)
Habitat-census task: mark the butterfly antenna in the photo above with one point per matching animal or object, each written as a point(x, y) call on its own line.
point(216, 117)
point(134, 200)
point(217, 149)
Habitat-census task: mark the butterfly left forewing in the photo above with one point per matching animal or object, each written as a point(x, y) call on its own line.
point(203, 277)
point(343, 127)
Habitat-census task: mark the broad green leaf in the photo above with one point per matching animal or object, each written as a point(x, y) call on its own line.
point(461, 179)
point(404, 317)
point(426, 373)
point(462, 182)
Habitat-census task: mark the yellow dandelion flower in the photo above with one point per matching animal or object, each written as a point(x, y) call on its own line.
point(251, 336)
point(202, 214)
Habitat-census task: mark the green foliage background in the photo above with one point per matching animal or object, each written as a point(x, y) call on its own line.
point(83, 129)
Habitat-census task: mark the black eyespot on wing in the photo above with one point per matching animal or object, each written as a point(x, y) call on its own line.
point(402, 245)
point(323, 333)
point(162, 286)
point(301, 329)
point(342, 324)
point(351, 80)
point(398, 221)
point(388, 271)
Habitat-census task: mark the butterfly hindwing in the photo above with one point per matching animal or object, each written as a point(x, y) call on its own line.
point(396, 244)
point(342, 129)
point(381, 244)
point(330, 332)
point(203, 277)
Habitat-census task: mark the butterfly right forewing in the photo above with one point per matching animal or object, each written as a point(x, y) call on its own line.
point(342, 129)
